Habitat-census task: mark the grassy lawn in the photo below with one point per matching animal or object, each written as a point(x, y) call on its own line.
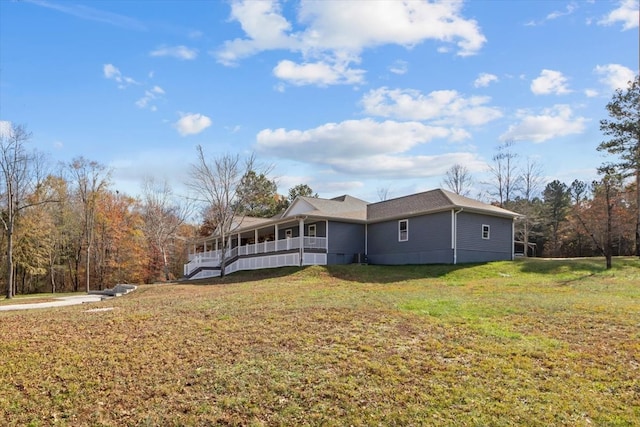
point(531, 342)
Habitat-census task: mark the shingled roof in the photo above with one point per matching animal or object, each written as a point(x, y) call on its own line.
point(430, 202)
point(342, 207)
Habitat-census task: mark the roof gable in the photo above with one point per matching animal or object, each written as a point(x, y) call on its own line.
point(299, 206)
point(344, 207)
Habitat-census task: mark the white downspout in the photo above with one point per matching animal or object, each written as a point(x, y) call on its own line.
point(455, 235)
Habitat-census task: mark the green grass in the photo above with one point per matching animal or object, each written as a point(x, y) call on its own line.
point(531, 342)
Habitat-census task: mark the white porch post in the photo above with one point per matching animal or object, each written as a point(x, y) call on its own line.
point(255, 236)
point(276, 236)
point(301, 237)
point(326, 236)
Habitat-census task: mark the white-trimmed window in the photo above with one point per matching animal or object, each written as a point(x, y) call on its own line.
point(403, 230)
point(486, 231)
point(288, 233)
point(312, 230)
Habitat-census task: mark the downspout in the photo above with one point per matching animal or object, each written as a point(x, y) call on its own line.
point(366, 239)
point(455, 235)
point(513, 238)
point(326, 240)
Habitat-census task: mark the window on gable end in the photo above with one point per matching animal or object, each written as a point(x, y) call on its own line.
point(486, 231)
point(403, 230)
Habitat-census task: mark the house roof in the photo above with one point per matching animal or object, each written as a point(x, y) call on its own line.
point(352, 209)
point(343, 207)
point(429, 202)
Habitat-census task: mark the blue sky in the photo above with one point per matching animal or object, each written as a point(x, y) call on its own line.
point(345, 96)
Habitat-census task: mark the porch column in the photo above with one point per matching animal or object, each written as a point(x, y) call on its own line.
point(275, 237)
point(326, 236)
point(301, 237)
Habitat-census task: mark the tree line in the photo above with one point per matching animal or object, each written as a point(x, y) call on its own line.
point(66, 228)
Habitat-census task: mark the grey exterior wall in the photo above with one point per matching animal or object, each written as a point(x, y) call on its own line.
point(321, 230)
point(429, 241)
point(473, 248)
point(345, 241)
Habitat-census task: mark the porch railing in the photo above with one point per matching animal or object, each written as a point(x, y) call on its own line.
point(213, 259)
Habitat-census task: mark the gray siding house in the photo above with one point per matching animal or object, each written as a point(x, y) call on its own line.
point(436, 226)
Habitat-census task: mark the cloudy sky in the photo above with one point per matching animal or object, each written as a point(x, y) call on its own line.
point(345, 96)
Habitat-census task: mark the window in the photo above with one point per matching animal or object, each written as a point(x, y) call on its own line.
point(288, 233)
point(485, 231)
point(312, 230)
point(403, 230)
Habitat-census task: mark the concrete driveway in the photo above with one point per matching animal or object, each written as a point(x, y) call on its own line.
point(59, 302)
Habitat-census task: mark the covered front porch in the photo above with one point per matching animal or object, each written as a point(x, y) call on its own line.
point(251, 246)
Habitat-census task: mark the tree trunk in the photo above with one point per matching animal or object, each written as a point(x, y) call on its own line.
point(87, 275)
point(10, 261)
point(609, 248)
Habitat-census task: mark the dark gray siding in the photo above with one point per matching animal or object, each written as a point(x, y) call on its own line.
point(429, 241)
point(345, 241)
point(473, 248)
point(320, 230)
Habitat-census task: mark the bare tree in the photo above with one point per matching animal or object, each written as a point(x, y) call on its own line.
point(383, 193)
point(458, 179)
point(531, 180)
point(505, 173)
point(91, 178)
point(163, 216)
point(216, 183)
point(20, 175)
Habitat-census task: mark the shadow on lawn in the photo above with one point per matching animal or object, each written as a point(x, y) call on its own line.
point(589, 266)
point(350, 272)
point(393, 273)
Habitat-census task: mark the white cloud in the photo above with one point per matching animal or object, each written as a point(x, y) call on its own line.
point(5, 129)
point(390, 167)
point(192, 123)
point(550, 82)
point(552, 123)
point(615, 76)
point(626, 13)
point(319, 73)
point(442, 106)
point(91, 14)
point(364, 148)
point(399, 67)
point(179, 52)
point(591, 93)
point(348, 139)
point(264, 26)
point(571, 7)
point(484, 79)
point(337, 32)
point(150, 95)
point(113, 73)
